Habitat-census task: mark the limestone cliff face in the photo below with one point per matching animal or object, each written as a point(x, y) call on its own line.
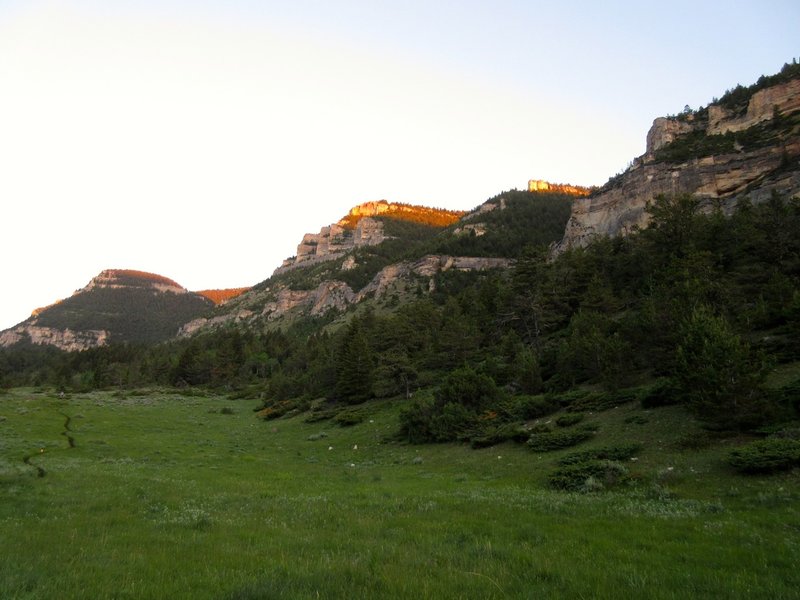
point(332, 242)
point(274, 303)
point(720, 177)
point(426, 268)
point(360, 228)
point(539, 185)
point(65, 339)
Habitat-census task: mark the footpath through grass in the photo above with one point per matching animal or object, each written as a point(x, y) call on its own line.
point(168, 496)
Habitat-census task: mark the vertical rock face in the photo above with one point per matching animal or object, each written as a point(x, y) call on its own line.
point(715, 167)
point(361, 228)
point(332, 242)
point(664, 131)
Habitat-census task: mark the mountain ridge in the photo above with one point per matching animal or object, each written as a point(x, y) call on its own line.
point(746, 145)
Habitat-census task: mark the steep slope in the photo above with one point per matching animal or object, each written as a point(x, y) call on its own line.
point(382, 252)
point(360, 228)
point(116, 306)
point(746, 145)
point(222, 296)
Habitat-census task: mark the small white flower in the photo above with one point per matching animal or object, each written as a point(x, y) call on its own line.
point(355, 446)
point(352, 464)
point(330, 447)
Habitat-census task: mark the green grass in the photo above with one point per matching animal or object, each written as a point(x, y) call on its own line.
point(165, 496)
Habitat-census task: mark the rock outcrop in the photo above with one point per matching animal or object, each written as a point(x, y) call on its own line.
point(333, 242)
point(65, 339)
point(721, 177)
point(539, 185)
point(426, 267)
point(360, 228)
point(279, 301)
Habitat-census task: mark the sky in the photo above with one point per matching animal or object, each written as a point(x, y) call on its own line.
point(200, 140)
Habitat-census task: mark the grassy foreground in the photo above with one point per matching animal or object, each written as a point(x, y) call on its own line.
point(156, 495)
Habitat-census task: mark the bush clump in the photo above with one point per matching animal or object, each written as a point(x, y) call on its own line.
point(766, 456)
point(454, 411)
point(526, 407)
point(497, 434)
point(588, 476)
point(619, 452)
point(350, 416)
point(557, 440)
point(569, 419)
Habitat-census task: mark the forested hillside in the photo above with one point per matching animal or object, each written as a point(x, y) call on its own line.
point(696, 309)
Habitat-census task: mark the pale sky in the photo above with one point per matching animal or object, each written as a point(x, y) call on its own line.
point(200, 140)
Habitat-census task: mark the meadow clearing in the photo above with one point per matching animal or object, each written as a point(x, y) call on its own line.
point(157, 494)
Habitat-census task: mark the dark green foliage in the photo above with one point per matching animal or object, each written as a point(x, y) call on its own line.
point(350, 416)
point(716, 373)
point(766, 456)
point(588, 476)
point(621, 452)
point(578, 400)
point(661, 393)
point(354, 365)
point(529, 219)
point(738, 98)
point(559, 439)
point(620, 321)
point(525, 407)
point(454, 411)
point(697, 144)
point(133, 315)
point(492, 434)
point(470, 389)
point(569, 419)
point(424, 420)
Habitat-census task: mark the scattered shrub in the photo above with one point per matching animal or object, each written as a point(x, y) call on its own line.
point(350, 416)
point(526, 407)
point(620, 452)
point(766, 456)
point(661, 393)
point(588, 476)
point(636, 420)
point(556, 440)
point(226, 410)
point(496, 434)
point(569, 419)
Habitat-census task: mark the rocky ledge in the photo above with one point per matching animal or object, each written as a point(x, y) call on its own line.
point(721, 177)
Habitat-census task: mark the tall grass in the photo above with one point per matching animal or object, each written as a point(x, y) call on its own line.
point(166, 496)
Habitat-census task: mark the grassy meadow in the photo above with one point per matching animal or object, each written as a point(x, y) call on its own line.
point(153, 494)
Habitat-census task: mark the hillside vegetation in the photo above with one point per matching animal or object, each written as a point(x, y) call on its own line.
point(697, 309)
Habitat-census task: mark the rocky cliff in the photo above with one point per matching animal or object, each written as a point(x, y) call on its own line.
point(722, 154)
point(360, 228)
point(280, 301)
point(539, 185)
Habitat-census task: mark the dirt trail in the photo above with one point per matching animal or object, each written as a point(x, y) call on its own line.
point(67, 431)
point(40, 472)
